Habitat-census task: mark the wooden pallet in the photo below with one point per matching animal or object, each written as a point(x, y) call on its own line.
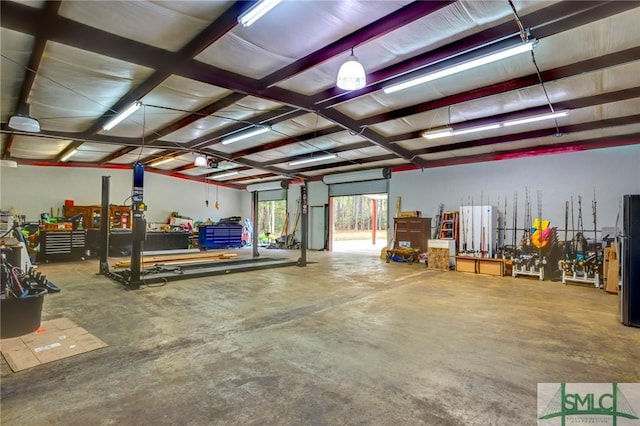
point(177, 258)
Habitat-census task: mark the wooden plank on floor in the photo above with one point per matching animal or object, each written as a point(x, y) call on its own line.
point(153, 260)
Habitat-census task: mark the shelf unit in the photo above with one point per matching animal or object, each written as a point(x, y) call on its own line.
point(6, 221)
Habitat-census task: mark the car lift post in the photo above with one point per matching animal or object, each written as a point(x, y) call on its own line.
point(254, 220)
point(139, 225)
point(104, 227)
point(304, 224)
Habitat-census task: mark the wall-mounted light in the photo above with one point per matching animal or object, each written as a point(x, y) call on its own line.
point(251, 133)
point(464, 66)
point(69, 155)
point(312, 159)
point(8, 163)
point(351, 75)
point(448, 131)
point(357, 176)
point(162, 161)
point(121, 116)
point(256, 12)
point(268, 186)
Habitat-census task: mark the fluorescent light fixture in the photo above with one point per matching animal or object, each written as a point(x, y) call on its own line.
point(163, 161)
point(268, 186)
point(441, 133)
point(258, 131)
point(256, 12)
point(313, 159)
point(69, 154)
point(437, 134)
point(121, 116)
point(476, 129)
point(357, 176)
point(351, 75)
point(521, 48)
point(200, 161)
point(224, 175)
point(536, 118)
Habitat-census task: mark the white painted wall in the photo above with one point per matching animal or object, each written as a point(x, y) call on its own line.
point(31, 190)
point(612, 172)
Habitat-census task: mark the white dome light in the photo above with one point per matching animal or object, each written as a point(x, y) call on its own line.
point(200, 161)
point(351, 75)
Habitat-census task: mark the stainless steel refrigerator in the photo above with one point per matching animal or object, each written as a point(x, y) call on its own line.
point(630, 291)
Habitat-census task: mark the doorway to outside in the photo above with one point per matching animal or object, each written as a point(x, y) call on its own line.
point(359, 223)
point(272, 222)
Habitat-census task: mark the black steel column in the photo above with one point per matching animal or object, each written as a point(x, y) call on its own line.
point(304, 224)
point(139, 225)
point(103, 236)
point(254, 225)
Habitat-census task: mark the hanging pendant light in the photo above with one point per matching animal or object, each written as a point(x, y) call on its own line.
point(200, 161)
point(351, 75)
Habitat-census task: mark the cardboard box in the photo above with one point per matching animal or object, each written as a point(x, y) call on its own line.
point(411, 213)
point(54, 340)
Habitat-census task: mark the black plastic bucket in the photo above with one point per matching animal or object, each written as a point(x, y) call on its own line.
point(20, 316)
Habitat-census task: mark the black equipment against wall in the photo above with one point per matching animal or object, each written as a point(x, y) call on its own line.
point(630, 292)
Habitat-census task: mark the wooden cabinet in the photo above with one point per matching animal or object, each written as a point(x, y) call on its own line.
point(119, 216)
point(413, 230)
point(90, 215)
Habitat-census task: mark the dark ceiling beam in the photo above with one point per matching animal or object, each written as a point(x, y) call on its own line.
point(288, 141)
point(216, 29)
point(117, 154)
point(254, 177)
point(366, 133)
point(135, 143)
point(81, 36)
point(588, 101)
point(267, 118)
point(47, 15)
point(391, 22)
point(336, 150)
point(559, 17)
point(589, 65)
point(358, 162)
point(550, 131)
point(6, 149)
point(26, 19)
point(195, 116)
point(581, 145)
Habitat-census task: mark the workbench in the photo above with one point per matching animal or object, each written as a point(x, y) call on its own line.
point(120, 241)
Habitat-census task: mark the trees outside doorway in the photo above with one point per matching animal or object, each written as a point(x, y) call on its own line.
point(359, 222)
point(272, 216)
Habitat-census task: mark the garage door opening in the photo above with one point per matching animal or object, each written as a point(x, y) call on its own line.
point(359, 223)
point(272, 222)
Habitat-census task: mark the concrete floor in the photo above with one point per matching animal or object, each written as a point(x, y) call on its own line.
point(347, 340)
